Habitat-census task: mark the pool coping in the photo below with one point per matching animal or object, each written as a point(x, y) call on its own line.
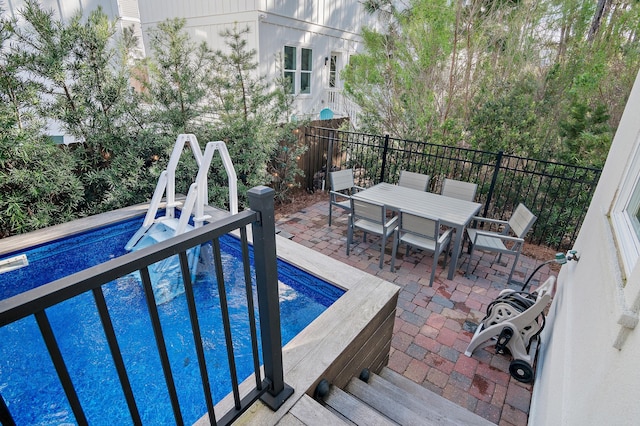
point(40, 236)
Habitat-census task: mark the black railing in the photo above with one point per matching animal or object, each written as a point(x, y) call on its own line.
point(271, 388)
point(559, 194)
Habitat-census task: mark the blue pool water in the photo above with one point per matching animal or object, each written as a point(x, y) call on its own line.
point(28, 382)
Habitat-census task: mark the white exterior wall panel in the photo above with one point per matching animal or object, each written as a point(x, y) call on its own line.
point(276, 33)
point(64, 10)
point(323, 26)
point(129, 9)
point(207, 29)
point(159, 10)
point(341, 14)
point(582, 378)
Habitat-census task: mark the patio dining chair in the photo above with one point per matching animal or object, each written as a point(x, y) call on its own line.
point(413, 180)
point(371, 218)
point(342, 188)
point(510, 240)
point(459, 189)
point(422, 232)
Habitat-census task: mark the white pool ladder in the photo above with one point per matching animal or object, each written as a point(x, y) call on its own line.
point(197, 197)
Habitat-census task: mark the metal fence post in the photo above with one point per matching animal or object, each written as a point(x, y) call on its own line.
point(264, 249)
point(329, 164)
point(496, 171)
point(385, 149)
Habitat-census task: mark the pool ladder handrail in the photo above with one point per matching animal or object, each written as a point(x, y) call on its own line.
point(198, 191)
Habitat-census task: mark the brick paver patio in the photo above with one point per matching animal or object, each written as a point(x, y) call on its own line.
point(433, 324)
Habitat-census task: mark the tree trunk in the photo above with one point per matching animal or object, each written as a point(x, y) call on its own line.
point(453, 69)
point(597, 19)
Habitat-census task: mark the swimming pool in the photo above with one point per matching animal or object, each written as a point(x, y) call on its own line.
point(77, 328)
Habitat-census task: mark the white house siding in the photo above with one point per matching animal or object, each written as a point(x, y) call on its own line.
point(129, 15)
point(325, 26)
point(204, 19)
point(126, 11)
point(582, 379)
point(158, 10)
point(64, 9)
point(343, 14)
point(277, 31)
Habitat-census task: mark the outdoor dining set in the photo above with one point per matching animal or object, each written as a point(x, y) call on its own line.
point(407, 213)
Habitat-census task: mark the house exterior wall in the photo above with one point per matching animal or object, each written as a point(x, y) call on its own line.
point(588, 369)
point(65, 9)
point(325, 26)
point(125, 11)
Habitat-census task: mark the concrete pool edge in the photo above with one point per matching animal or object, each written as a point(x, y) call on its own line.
point(40, 236)
point(353, 333)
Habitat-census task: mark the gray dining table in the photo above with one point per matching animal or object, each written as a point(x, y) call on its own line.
point(450, 211)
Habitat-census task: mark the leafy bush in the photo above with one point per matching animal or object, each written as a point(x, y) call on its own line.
point(78, 73)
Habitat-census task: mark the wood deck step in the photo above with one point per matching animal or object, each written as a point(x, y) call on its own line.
point(354, 409)
point(307, 411)
point(388, 403)
point(391, 399)
point(443, 411)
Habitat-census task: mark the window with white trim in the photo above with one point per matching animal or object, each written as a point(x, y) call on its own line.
point(306, 66)
point(298, 68)
point(625, 215)
point(633, 210)
point(290, 67)
point(333, 71)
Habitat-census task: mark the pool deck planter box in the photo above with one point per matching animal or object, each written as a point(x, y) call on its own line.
point(354, 333)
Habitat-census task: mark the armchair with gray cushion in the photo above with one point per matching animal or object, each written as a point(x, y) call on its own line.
point(509, 241)
point(372, 218)
point(426, 233)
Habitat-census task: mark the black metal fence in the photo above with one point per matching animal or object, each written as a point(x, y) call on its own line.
point(559, 194)
point(271, 388)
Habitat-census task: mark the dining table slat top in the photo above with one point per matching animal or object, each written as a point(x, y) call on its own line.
point(450, 211)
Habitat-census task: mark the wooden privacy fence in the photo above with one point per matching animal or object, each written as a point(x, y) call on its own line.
point(559, 194)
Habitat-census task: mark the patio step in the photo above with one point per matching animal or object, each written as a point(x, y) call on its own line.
point(390, 398)
point(354, 410)
point(440, 407)
point(309, 412)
